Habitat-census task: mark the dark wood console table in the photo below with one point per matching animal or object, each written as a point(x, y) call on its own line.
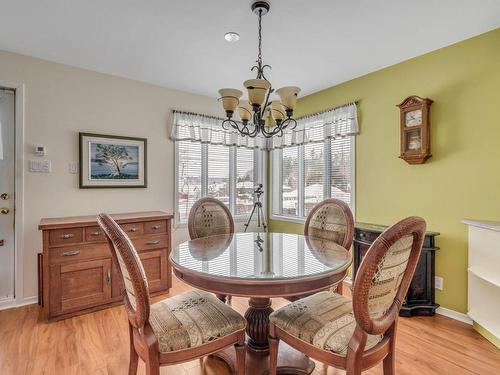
point(420, 297)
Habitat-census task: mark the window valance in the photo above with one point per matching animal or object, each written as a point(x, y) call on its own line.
point(334, 123)
point(207, 129)
point(331, 124)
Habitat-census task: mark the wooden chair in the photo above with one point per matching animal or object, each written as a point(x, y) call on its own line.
point(176, 329)
point(331, 220)
point(355, 335)
point(209, 217)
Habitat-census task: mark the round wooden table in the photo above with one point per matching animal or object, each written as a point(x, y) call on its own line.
point(261, 266)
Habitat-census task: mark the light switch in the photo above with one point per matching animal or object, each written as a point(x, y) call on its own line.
point(73, 168)
point(40, 166)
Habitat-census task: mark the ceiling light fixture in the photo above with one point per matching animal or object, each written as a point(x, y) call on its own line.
point(258, 107)
point(232, 36)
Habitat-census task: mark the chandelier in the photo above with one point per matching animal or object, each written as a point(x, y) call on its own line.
point(258, 108)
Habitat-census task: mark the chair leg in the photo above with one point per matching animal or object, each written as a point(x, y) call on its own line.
point(273, 355)
point(152, 367)
point(240, 358)
point(134, 358)
point(340, 288)
point(389, 368)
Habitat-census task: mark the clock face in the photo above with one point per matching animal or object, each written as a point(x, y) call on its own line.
point(413, 118)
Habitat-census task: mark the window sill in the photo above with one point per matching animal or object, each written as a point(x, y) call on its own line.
point(291, 219)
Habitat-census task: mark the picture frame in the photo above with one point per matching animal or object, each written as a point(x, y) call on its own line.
point(112, 161)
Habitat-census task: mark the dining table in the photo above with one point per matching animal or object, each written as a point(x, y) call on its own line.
point(262, 266)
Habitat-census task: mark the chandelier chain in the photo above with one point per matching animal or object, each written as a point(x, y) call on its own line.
point(259, 56)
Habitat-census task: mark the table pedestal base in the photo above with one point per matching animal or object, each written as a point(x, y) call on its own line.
point(290, 361)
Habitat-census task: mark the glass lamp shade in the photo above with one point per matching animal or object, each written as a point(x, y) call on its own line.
point(288, 96)
point(277, 111)
point(230, 98)
point(245, 110)
point(257, 90)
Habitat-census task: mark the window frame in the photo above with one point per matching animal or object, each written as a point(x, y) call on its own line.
point(277, 178)
point(258, 177)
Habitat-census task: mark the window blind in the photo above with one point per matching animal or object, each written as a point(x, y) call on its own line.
point(245, 184)
point(290, 180)
point(189, 182)
point(314, 173)
point(341, 169)
point(218, 173)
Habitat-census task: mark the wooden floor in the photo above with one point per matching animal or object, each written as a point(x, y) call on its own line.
point(97, 343)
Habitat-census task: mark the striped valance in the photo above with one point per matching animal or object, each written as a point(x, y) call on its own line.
point(334, 123)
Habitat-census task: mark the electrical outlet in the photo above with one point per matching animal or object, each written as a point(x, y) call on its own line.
point(438, 282)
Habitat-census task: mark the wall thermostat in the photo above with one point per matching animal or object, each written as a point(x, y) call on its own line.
point(40, 150)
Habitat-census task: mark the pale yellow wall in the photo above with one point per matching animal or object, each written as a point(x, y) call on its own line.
point(62, 101)
point(462, 179)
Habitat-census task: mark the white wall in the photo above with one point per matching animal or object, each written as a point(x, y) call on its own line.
point(61, 101)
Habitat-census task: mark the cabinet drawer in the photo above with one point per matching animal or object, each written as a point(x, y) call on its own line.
point(78, 252)
point(155, 227)
point(65, 236)
point(94, 234)
point(151, 242)
point(133, 229)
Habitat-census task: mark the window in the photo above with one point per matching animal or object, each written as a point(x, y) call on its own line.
point(307, 174)
point(227, 173)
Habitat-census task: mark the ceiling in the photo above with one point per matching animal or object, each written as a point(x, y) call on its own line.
point(313, 44)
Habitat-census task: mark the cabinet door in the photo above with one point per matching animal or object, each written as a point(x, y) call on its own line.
point(79, 285)
point(155, 266)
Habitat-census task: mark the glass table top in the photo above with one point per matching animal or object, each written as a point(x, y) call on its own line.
point(260, 256)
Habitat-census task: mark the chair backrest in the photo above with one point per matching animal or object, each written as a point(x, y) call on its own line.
point(209, 217)
point(385, 274)
point(331, 220)
point(131, 270)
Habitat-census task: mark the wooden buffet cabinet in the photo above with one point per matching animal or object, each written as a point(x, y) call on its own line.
point(77, 272)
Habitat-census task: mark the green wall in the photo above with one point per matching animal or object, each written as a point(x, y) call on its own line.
point(462, 179)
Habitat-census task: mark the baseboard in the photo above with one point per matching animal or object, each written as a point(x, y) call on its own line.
point(454, 315)
point(13, 304)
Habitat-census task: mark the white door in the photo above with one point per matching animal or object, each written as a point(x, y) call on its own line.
point(7, 168)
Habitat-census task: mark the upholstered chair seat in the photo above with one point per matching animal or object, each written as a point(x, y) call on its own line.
point(325, 320)
point(192, 319)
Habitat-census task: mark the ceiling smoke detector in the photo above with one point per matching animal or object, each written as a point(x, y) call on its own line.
point(232, 37)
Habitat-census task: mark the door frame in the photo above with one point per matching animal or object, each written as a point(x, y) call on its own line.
point(19, 299)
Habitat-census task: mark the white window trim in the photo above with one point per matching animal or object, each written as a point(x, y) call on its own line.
point(259, 177)
point(276, 192)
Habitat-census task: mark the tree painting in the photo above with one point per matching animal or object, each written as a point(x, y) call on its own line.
point(114, 161)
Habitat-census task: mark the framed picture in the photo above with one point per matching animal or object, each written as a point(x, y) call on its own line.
point(110, 161)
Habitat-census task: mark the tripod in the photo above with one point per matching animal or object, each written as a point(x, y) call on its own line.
point(257, 206)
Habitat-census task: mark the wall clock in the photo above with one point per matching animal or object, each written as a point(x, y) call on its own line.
point(415, 129)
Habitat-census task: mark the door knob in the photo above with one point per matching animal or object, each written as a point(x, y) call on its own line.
point(4, 210)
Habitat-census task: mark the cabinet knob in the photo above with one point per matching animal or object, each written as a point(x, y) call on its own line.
point(65, 236)
point(153, 242)
point(155, 227)
point(4, 210)
point(97, 233)
point(133, 229)
point(4, 196)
